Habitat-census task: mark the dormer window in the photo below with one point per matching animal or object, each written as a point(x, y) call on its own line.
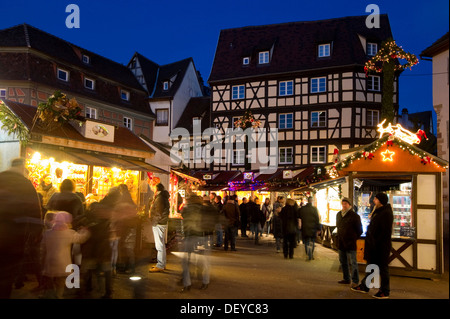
point(62, 75)
point(85, 58)
point(263, 57)
point(166, 85)
point(124, 95)
point(324, 50)
point(89, 83)
point(246, 60)
point(372, 48)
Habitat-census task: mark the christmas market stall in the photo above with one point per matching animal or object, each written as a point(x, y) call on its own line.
point(96, 155)
point(412, 178)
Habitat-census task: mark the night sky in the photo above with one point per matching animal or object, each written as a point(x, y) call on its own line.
point(168, 31)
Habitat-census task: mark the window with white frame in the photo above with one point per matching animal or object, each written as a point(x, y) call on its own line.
point(372, 48)
point(162, 117)
point(85, 58)
point(318, 85)
point(245, 60)
point(318, 154)
point(62, 75)
point(3, 93)
point(324, 50)
point(238, 157)
point(166, 85)
point(263, 57)
point(286, 88)
point(286, 121)
point(238, 92)
point(124, 95)
point(373, 83)
point(318, 119)
point(89, 83)
point(90, 112)
point(128, 122)
point(285, 155)
point(373, 117)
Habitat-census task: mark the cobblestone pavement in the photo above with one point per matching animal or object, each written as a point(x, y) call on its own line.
point(255, 272)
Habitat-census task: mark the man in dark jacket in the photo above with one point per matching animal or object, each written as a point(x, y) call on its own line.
point(20, 222)
point(256, 218)
point(231, 213)
point(310, 227)
point(289, 216)
point(349, 229)
point(378, 245)
point(244, 216)
point(159, 217)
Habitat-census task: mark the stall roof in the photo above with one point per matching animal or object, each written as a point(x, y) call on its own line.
point(123, 137)
point(96, 159)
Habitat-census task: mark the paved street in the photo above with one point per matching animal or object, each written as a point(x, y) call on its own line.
point(258, 272)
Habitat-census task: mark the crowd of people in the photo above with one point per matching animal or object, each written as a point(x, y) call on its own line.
point(49, 229)
point(49, 232)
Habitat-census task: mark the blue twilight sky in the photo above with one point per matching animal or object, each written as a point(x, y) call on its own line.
point(168, 31)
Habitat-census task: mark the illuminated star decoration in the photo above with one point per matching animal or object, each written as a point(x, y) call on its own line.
point(387, 155)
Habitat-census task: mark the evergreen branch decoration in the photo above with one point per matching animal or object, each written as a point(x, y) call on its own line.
point(12, 124)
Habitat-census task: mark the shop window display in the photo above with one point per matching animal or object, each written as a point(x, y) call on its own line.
point(399, 193)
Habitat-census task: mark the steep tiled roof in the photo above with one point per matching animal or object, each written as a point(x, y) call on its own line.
point(27, 35)
point(174, 73)
point(293, 46)
point(196, 107)
point(67, 55)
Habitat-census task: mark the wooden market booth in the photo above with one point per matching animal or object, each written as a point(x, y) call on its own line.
point(412, 178)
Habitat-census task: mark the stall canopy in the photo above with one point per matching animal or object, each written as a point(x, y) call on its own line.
point(66, 143)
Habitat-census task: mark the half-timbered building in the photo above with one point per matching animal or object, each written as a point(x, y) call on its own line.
point(306, 79)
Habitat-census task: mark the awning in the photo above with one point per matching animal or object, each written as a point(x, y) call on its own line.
point(322, 184)
point(96, 159)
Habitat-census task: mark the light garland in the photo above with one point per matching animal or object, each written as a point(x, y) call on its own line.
point(389, 52)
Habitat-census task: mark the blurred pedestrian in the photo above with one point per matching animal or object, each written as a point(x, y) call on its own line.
point(378, 243)
point(46, 188)
point(277, 229)
point(268, 214)
point(349, 229)
point(20, 222)
point(310, 225)
point(256, 218)
point(56, 247)
point(243, 209)
point(159, 216)
point(231, 214)
point(289, 216)
point(66, 200)
point(96, 250)
point(126, 222)
point(219, 226)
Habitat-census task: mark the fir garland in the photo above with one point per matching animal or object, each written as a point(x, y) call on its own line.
point(12, 124)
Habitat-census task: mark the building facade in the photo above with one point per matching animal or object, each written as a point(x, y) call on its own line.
point(438, 53)
point(34, 64)
point(170, 87)
point(304, 78)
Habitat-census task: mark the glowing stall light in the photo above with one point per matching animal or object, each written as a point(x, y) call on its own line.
point(35, 159)
point(387, 155)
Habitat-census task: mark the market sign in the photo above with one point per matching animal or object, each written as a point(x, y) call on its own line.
point(287, 174)
point(207, 177)
point(248, 175)
point(95, 130)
